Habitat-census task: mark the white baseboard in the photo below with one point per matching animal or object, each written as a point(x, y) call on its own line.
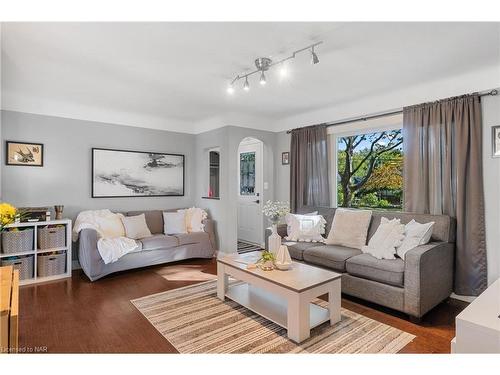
point(463, 298)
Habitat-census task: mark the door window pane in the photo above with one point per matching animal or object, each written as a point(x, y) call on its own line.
point(247, 173)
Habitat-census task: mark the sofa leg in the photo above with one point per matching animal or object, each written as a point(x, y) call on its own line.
point(414, 319)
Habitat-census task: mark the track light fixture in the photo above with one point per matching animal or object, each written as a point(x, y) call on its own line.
point(262, 78)
point(263, 64)
point(314, 57)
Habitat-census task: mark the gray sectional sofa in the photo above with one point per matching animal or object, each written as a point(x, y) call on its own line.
point(157, 249)
point(413, 285)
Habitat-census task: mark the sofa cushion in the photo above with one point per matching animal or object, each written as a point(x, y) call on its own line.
point(296, 249)
point(159, 241)
point(387, 271)
point(189, 238)
point(154, 220)
point(331, 256)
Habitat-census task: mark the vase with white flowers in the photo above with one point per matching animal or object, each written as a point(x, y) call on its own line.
point(275, 210)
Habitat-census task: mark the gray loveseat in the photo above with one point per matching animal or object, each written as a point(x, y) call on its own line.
point(413, 285)
point(157, 249)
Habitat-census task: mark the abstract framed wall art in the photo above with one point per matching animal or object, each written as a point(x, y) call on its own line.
point(24, 154)
point(122, 173)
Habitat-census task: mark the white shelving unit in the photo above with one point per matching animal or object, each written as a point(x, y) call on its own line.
point(35, 251)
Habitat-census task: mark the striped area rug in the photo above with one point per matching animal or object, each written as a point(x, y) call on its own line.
point(245, 247)
point(194, 320)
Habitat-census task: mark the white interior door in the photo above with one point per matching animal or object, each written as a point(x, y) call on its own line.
point(250, 182)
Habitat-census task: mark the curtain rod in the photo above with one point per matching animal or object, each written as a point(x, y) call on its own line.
point(380, 115)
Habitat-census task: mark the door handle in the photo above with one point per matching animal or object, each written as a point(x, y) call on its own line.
point(257, 201)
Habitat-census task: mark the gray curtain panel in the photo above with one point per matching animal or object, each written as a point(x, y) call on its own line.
point(443, 174)
point(309, 182)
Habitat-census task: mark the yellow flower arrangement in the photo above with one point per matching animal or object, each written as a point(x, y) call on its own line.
point(7, 215)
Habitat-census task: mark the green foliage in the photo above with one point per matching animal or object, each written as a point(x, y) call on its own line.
point(369, 200)
point(384, 203)
point(266, 256)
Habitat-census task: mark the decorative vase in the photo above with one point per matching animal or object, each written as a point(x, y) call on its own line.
point(59, 211)
point(274, 239)
point(283, 261)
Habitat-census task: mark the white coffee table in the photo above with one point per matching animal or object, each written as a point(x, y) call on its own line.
point(284, 297)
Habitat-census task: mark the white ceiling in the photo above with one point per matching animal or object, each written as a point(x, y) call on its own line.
point(173, 75)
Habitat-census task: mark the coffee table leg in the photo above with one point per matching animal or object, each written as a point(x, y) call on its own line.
point(222, 281)
point(298, 324)
point(334, 300)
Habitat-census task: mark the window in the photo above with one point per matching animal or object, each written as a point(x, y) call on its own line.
point(247, 173)
point(213, 173)
point(370, 170)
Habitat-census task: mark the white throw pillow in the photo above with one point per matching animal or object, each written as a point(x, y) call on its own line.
point(136, 227)
point(349, 228)
point(174, 222)
point(194, 219)
point(389, 235)
point(416, 234)
point(110, 225)
point(306, 228)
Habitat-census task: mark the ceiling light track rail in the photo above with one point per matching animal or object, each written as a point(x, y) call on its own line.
point(263, 64)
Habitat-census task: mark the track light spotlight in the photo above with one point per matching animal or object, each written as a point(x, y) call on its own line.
point(230, 89)
point(262, 79)
point(314, 57)
point(246, 85)
point(283, 70)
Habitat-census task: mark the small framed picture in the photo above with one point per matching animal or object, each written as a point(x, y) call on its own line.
point(24, 153)
point(285, 158)
point(496, 141)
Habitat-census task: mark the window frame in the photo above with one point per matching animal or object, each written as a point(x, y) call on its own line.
point(362, 127)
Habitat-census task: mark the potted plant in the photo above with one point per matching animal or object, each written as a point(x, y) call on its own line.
point(274, 212)
point(266, 261)
point(8, 215)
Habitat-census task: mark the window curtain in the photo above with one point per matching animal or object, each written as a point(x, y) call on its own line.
point(309, 182)
point(443, 174)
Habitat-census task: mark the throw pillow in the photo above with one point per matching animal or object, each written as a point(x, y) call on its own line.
point(111, 225)
point(349, 228)
point(389, 235)
point(136, 227)
point(174, 222)
point(194, 219)
point(307, 228)
point(416, 234)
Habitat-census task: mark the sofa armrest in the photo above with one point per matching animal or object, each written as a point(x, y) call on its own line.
point(428, 278)
point(88, 255)
point(282, 231)
point(209, 226)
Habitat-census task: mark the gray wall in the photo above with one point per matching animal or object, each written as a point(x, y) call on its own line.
point(66, 175)
point(225, 210)
point(282, 192)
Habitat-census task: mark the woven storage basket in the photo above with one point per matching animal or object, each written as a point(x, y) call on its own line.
point(23, 264)
point(51, 264)
point(17, 242)
point(51, 238)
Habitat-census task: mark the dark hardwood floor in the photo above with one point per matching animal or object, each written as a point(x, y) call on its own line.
point(77, 316)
